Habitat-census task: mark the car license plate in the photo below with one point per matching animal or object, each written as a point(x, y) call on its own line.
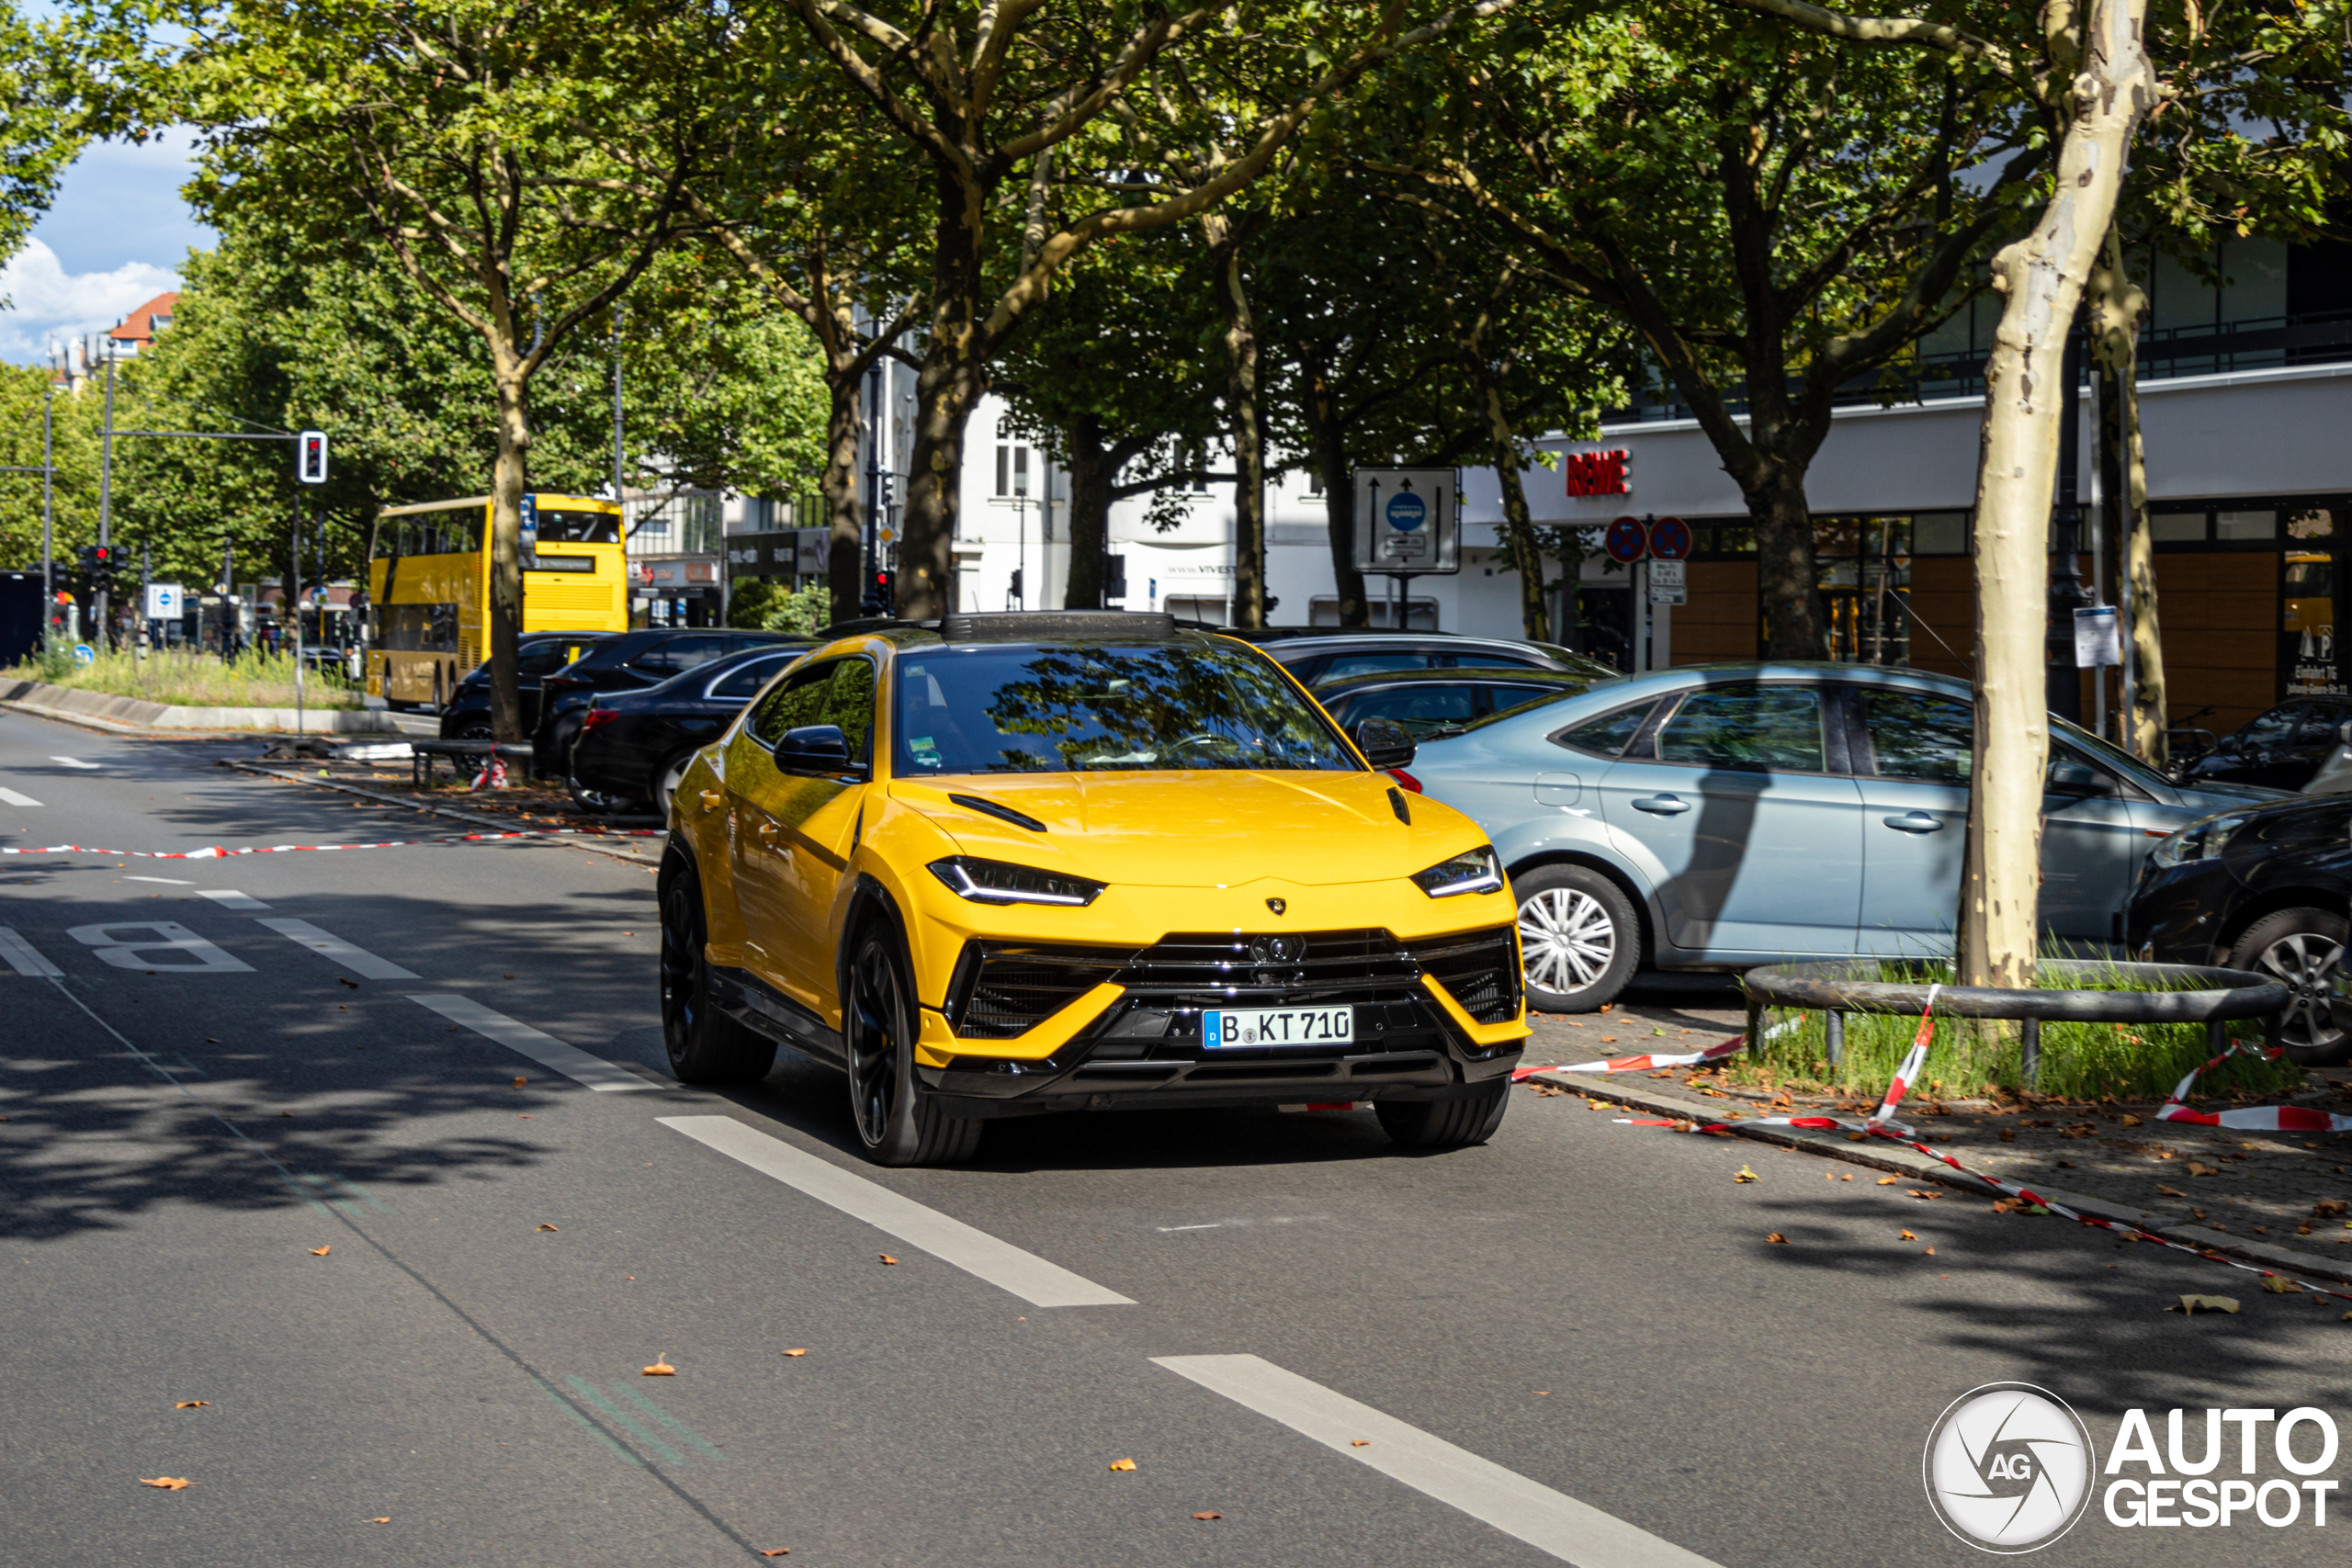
point(1234, 1028)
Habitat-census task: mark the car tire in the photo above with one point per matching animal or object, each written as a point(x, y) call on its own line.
point(897, 1119)
point(596, 802)
point(2303, 948)
point(1579, 940)
point(395, 705)
point(1445, 1123)
point(475, 730)
point(666, 782)
point(705, 1045)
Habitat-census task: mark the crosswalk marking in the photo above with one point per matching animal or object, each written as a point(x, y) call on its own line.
point(329, 946)
point(25, 958)
point(229, 898)
point(545, 1049)
point(13, 798)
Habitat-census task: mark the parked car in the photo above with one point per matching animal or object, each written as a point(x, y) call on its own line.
point(1727, 816)
point(1314, 654)
point(622, 663)
point(465, 716)
point(1429, 703)
point(2280, 748)
point(635, 746)
point(2265, 888)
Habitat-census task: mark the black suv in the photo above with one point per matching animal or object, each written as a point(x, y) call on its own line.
point(465, 716)
point(625, 663)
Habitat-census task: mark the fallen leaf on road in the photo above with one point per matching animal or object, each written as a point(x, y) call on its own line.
point(191, 1404)
point(321, 1251)
point(385, 1520)
point(1930, 1252)
point(1747, 1175)
point(2194, 1304)
point(2197, 1168)
point(1608, 1039)
point(2329, 1209)
point(2129, 1121)
point(1774, 1236)
point(1906, 1235)
point(1359, 1442)
point(661, 1367)
point(1123, 1464)
point(776, 1551)
point(546, 1227)
point(796, 1352)
point(1847, 1176)
point(353, 983)
point(2171, 1192)
point(1888, 1180)
point(1607, 1006)
point(2009, 1135)
point(1930, 1193)
point(886, 1257)
point(168, 1482)
point(2279, 1285)
point(1211, 1515)
point(520, 1082)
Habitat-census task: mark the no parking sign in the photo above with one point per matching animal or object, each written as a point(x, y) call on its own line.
point(1626, 540)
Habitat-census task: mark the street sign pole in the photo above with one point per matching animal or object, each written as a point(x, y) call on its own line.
point(105, 493)
point(293, 602)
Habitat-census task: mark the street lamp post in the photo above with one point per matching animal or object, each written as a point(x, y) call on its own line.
point(106, 490)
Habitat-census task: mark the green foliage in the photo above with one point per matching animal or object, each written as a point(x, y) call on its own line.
point(74, 424)
point(41, 129)
point(184, 678)
point(766, 605)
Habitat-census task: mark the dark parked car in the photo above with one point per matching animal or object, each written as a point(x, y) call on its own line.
point(2265, 888)
point(2281, 748)
point(466, 716)
point(625, 663)
point(1429, 703)
point(1315, 655)
point(634, 746)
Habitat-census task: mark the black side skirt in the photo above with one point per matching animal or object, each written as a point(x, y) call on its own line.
point(757, 1005)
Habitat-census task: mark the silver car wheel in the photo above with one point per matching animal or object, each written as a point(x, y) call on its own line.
point(2306, 960)
point(671, 777)
point(1566, 939)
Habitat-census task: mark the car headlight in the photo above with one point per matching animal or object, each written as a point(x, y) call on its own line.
point(996, 882)
point(1473, 871)
point(2199, 841)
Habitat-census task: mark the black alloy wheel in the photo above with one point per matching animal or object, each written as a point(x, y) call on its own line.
point(475, 730)
point(705, 1045)
point(896, 1122)
point(1446, 1123)
point(2302, 948)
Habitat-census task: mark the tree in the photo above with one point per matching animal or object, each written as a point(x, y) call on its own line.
point(1005, 101)
point(465, 139)
point(41, 127)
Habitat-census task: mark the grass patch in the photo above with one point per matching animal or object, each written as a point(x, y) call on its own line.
point(254, 679)
point(2079, 1061)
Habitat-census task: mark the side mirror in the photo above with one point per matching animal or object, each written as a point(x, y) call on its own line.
point(2078, 779)
point(1384, 744)
point(813, 749)
point(2344, 732)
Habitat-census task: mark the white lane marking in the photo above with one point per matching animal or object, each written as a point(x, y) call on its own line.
point(1002, 1264)
point(167, 881)
point(545, 1049)
point(1217, 1225)
point(1550, 1522)
point(167, 939)
point(329, 946)
point(74, 763)
point(13, 798)
point(229, 898)
point(25, 958)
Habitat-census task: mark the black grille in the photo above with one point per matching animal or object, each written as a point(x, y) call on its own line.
point(1002, 989)
point(1479, 969)
point(1212, 968)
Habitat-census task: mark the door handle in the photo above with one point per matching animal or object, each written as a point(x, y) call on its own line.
point(1660, 804)
point(768, 834)
point(1914, 822)
point(712, 800)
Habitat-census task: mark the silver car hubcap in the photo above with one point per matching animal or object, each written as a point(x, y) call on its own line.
point(2306, 962)
point(1566, 939)
point(670, 782)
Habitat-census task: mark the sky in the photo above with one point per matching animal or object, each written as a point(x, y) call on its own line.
point(114, 240)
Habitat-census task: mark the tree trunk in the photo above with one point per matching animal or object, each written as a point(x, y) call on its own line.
point(845, 556)
point(948, 388)
point(1330, 457)
point(2116, 309)
point(2040, 281)
point(1249, 437)
point(1091, 473)
point(507, 480)
point(1788, 583)
point(1519, 524)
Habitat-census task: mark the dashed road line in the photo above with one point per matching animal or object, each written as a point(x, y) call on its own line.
point(329, 946)
point(74, 763)
point(545, 1049)
point(167, 881)
point(229, 898)
point(13, 798)
point(1550, 1522)
point(1002, 1264)
point(25, 958)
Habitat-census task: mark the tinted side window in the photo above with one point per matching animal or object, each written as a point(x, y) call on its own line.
point(1418, 709)
point(742, 683)
point(2270, 729)
point(1748, 729)
point(678, 653)
point(1915, 737)
point(542, 658)
point(1489, 660)
point(1607, 734)
point(1373, 664)
point(792, 703)
point(1505, 697)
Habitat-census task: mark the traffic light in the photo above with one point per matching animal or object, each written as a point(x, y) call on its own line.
point(310, 456)
point(881, 593)
point(99, 563)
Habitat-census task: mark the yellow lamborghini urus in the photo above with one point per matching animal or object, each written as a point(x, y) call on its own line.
point(1071, 860)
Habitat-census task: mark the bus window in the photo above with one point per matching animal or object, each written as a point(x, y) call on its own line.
point(420, 628)
point(579, 528)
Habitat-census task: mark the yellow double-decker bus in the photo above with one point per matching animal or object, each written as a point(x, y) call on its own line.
point(429, 583)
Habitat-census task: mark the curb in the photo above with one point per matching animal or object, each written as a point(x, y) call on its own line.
point(1879, 1154)
point(475, 818)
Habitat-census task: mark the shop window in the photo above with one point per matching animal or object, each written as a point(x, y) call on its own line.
point(2263, 525)
point(2176, 527)
point(1863, 567)
point(1940, 534)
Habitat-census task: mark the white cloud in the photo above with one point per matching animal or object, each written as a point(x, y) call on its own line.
point(45, 301)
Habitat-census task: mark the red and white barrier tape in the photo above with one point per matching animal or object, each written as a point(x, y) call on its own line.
point(1882, 1124)
point(219, 852)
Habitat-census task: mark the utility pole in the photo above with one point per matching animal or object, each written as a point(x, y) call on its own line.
point(294, 605)
point(106, 490)
point(48, 477)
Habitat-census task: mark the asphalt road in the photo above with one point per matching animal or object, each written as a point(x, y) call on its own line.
point(1591, 1307)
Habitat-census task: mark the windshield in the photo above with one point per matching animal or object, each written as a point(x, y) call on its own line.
point(2113, 756)
point(1097, 708)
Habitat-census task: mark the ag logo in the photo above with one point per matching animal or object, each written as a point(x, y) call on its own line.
point(2008, 1468)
